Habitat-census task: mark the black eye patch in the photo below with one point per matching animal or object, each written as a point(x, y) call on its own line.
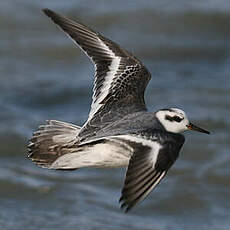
point(174, 118)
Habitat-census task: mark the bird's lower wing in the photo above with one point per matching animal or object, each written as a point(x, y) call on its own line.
point(148, 165)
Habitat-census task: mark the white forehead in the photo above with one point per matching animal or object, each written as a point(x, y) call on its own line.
point(171, 112)
point(178, 111)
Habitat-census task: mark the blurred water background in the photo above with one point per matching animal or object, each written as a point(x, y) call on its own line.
point(184, 44)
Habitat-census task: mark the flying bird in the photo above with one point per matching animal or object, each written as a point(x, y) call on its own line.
point(119, 131)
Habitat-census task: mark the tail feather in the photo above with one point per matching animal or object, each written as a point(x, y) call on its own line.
point(51, 141)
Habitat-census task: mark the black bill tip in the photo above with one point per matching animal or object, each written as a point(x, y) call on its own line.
point(191, 126)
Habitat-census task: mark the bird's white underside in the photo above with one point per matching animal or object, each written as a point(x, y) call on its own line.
point(113, 153)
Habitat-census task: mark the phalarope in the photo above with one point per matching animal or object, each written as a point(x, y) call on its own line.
point(119, 130)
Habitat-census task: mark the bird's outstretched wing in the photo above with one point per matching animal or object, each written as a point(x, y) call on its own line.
point(152, 157)
point(120, 78)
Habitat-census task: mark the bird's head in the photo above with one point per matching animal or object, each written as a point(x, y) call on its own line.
point(175, 120)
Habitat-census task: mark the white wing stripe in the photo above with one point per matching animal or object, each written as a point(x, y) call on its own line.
point(95, 106)
point(155, 146)
point(105, 87)
point(110, 75)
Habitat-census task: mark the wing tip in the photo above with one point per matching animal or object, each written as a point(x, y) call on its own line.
point(124, 205)
point(48, 12)
point(127, 203)
point(51, 14)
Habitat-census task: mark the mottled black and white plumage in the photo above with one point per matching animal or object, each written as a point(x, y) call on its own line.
point(119, 131)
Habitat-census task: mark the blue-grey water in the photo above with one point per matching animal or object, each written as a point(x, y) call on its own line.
point(186, 47)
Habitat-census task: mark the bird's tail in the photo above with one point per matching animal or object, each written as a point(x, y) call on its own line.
point(51, 141)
